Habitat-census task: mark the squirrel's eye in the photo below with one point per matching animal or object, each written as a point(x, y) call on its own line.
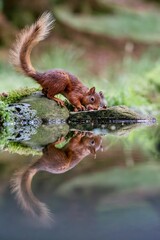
point(92, 99)
point(92, 142)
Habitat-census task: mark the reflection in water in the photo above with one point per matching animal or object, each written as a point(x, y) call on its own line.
point(105, 198)
point(56, 161)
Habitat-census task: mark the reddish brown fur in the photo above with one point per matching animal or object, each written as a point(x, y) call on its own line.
point(55, 161)
point(52, 81)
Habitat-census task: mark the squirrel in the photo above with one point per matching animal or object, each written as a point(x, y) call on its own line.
point(56, 161)
point(52, 81)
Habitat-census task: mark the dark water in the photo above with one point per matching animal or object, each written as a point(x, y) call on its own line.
point(81, 192)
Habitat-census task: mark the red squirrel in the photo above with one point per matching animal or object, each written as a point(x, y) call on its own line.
point(55, 161)
point(52, 81)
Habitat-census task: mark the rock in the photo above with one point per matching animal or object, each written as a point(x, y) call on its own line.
point(36, 121)
point(46, 109)
point(111, 119)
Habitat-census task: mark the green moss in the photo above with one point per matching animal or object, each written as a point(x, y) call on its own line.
point(4, 114)
point(4, 134)
point(16, 95)
point(17, 147)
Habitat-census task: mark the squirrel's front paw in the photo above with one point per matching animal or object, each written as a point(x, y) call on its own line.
point(79, 108)
point(59, 140)
point(82, 108)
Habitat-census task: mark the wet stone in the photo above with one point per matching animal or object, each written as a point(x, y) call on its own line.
point(46, 108)
point(22, 114)
point(116, 114)
point(35, 120)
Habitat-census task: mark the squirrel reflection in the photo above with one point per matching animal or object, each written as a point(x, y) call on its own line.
point(55, 161)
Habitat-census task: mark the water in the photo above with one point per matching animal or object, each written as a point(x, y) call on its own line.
point(79, 191)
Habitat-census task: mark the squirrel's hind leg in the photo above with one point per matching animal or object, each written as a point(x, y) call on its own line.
point(49, 95)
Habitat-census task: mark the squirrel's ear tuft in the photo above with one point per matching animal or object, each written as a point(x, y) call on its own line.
point(92, 90)
point(101, 94)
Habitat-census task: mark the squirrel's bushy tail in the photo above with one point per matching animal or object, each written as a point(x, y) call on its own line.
point(21, 187)
point(26, 40)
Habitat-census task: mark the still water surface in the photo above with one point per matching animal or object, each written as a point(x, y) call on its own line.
point(74, 190)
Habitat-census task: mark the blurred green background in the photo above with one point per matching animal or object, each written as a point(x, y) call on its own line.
point(113, 45)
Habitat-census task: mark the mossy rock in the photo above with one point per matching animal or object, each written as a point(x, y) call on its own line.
point(37, 121)
point(47, 134)
point(46, 109)
point(33, 121)
point(111, 113)
point(111, 119)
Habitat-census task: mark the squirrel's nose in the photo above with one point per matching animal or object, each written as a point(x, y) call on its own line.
point(89, 107)
point(92, 108)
